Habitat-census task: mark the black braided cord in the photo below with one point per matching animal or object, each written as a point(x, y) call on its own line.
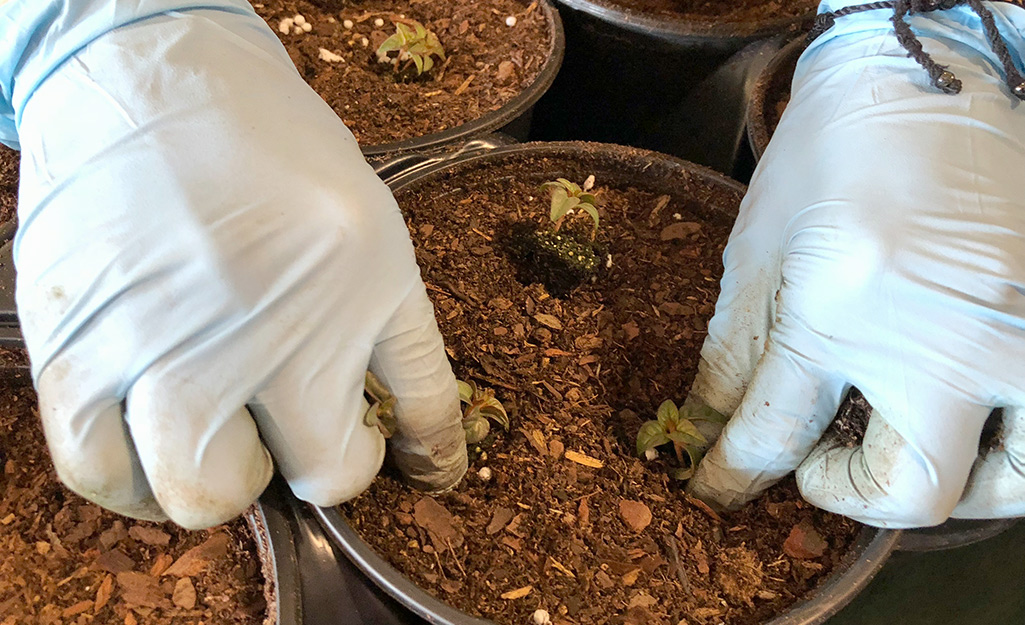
point(942, 78)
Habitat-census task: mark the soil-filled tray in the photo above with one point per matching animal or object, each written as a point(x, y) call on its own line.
point(747, 11)
point(494, 50)
point(67, 561)
point(559, 513)
point(9, 168)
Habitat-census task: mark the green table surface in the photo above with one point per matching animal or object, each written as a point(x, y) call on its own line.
point(981, 584)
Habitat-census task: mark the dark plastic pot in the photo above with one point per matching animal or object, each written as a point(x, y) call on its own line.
point(514, 118)
point(624, 71)
point(656, 173)
point(771, 90)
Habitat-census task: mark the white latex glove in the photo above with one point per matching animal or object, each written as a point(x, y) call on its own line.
point(881, 245)
point(200, 233)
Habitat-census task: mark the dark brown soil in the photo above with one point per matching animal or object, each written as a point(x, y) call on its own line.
point(851, 420)
point(570, 518)
point(488, 63)
point(67, 561)
point(9, 167)
point(722, 10)
point(851, 423)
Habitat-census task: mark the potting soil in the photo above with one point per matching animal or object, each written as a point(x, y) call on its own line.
point(67, 561)
point(9, 168)
point(570, 520)
point(722, 10)
point(488, 61)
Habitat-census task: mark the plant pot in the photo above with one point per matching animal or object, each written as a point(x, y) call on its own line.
point(615, 167)
point(512, 118)
point(624, 70)
point(770, 96)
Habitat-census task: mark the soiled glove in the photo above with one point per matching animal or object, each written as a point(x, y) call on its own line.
point(200, 233)
point(881, 245)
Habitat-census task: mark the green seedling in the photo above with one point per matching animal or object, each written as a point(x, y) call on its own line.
point(481, 405)
point(412, 46)
point(382, 407)
point(676, 426)
point(569, 198)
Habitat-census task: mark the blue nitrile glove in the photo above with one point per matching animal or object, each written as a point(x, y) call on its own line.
point(200, 233)
point(881, 245)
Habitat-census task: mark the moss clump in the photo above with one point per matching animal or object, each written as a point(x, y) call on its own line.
point(561, 261)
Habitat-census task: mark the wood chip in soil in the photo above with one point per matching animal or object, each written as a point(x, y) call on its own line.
point(69, 561)
point(556, 523)
point(488, 62)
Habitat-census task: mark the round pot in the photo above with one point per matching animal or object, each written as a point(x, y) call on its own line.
point(514, 118)
point(770, 95)
point(618, 166)
point(625, 70)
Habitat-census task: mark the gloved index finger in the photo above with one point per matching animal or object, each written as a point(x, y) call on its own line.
point(744, 312)
point(429, 445)
point(785, 410)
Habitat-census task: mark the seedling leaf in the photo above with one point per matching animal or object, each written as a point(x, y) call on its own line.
point(651, 435)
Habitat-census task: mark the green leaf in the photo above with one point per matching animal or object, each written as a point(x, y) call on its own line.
point(687, 434)
point(476, 429)
point(592, 211)
point(562, 205)
point(571, 187)
point(589, 198)
point(419, 62)
point(704, 413)
point(651, 435)
point(370, 416)
point(668, 413)
point(494, 409)
point(428, 63)
point(466, 391)
point(389, 45)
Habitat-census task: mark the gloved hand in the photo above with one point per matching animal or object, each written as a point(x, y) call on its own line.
point(200, 233)
point(881, 246)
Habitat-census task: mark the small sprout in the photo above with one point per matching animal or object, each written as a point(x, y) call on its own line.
point(568, 197)
point(484, 474)
point(541, 617)
point(481, 405)
point(676, 426)
point(382, 407)
point(510, 21)
point(413, 46)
